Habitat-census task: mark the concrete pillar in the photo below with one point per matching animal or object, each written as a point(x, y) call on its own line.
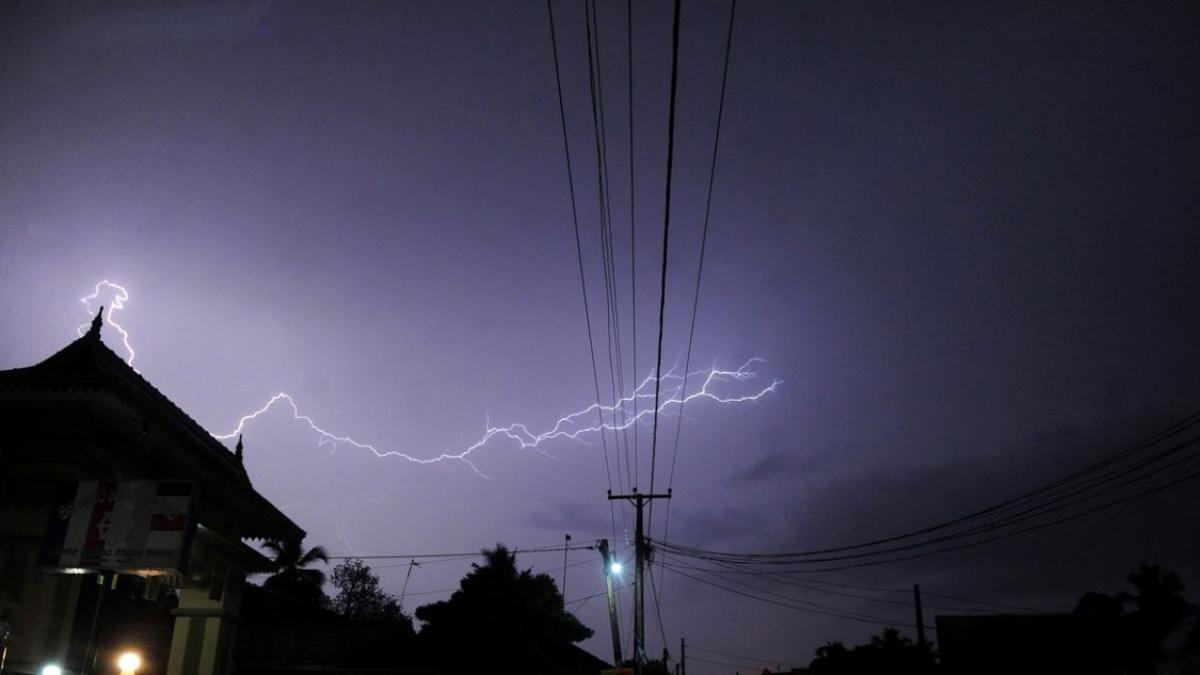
point(202, 643)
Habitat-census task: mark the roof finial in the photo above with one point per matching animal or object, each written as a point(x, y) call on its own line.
point(98, 321)
point(237, 451)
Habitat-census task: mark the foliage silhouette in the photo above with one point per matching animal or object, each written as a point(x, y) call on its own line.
point(360, 596)
point(295, 577)
point(500, 618)
point(887, 653)
point(1135, 638)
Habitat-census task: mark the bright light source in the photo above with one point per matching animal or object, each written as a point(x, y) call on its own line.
point(129, 662)
point(615, 568)
point(51, 670)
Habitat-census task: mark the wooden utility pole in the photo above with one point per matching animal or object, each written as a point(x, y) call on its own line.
point(641, 551)
point(920, 615)
point(566, 547)
point(682, 656)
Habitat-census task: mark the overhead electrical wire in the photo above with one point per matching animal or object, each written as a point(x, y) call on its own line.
point(476, 554)
point(632, 233)
point(788, 577)
point(662, 290)
point(613, 321)
point(751, 659)
point(662, 632)
point(793, 582)
point(1051, 498)
point(717, 662)
point(1067, 553)
point(1012, 520)
point(712, 173)
point(587, 315)
point(741, 582)
point(791, 603)
point(957, 547)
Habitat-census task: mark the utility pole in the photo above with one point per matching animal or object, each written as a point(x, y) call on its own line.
point(641, 551)
point(92, 652)
point(920, 615)
point(404, 589)
point(566, 547)
point(612, 602)
point(682, 656)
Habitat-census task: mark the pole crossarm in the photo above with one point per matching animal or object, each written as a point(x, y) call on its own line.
point(641, 549)
point(636, 496)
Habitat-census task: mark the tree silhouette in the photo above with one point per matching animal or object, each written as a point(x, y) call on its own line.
point(360, 596)
point(888, 653)
point(295, 577)
point(1134, 638)
point(1158, 605)
point(1099, 606)
point(500, 618)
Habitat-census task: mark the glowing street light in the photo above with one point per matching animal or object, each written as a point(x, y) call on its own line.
point(129, 663)
point(611, 567)
point(51, 669)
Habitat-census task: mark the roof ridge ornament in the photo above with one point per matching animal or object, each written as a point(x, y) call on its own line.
point(237, 451)
point(97, 322)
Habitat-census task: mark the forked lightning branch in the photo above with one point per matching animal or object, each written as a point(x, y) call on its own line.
point(714, 385)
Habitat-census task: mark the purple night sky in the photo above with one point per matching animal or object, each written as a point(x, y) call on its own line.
point(963, 236)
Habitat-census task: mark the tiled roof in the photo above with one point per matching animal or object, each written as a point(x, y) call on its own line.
point(87, 365)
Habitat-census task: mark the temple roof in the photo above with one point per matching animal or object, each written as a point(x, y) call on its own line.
point(88, 365)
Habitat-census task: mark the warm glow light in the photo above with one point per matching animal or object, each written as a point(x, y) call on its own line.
point(615, 568)
point(51, 670)
point(129, 662)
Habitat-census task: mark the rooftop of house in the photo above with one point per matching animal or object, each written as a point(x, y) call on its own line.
point(87, 366)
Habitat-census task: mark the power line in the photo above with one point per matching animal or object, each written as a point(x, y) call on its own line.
point(740, 657)
point(719, 663)
point(1052, 503)
point(773, 593)
point(792, 603)
point(662, 291)
point(785, 576)
point(613, 321)
point(712, 172)
point(790, 581)
point(1003, 535)
point(476, 554)
point(802, 575)
point(427, 562)
point(662, 633)
point(1067, 553)
point(435, 592)
point(632, 234)
point(587, 315)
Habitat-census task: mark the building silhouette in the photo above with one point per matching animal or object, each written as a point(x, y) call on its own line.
point(171, 510)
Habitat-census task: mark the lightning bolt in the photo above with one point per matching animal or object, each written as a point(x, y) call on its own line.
point(594, 419)
point(119, 299)
point(571, 426)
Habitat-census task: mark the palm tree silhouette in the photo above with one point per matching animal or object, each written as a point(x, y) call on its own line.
point(294, 576)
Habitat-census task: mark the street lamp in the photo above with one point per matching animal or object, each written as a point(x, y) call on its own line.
point(611, 567)
point(129, 663)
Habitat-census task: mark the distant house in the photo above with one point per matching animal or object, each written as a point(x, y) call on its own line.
point(1030, 644)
